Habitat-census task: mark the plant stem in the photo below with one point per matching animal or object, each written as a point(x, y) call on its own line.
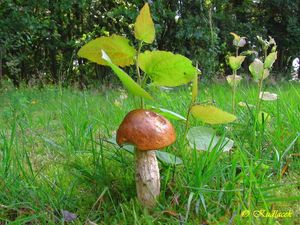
point(234, 82)
point(265, 53)
point(187, 122)
point(139, 77)
point(258, 104)
point(194, 98)
point(237, 51)
point(233, 91)
point(260, 91)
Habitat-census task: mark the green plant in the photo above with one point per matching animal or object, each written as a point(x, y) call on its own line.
point(162, 68)
point(235, 62)
point(260, 70)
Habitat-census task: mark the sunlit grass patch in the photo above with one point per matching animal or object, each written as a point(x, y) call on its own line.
point(54, 157)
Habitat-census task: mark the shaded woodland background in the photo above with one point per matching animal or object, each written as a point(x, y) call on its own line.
point(39, 39)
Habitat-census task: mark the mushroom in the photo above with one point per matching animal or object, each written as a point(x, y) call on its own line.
point(147, 131)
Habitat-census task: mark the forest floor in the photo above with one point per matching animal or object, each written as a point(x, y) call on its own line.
point(56, 165)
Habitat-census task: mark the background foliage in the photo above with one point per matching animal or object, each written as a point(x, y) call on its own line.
point(39, 39)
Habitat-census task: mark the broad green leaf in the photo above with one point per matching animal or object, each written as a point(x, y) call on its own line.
point(257, 69)
point(164, 157)
point(233, 80)
point(205, 139)
point(195, 88)
point(235, 62)
point(167, 69)
point(126, 80)
point(167, 113)
point(144, 27)
point(168, 158)
point(212, 115)
point(263, 117)
point(267, 96)
point(270, 60)
point(116, 47)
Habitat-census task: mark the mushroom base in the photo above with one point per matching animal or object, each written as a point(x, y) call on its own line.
point(147, 177)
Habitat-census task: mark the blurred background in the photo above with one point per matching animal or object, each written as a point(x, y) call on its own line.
point(39, 40)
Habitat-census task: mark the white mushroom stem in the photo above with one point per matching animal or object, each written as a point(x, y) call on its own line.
point(147, 177)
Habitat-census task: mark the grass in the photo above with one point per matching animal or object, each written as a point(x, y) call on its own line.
point(53, 157)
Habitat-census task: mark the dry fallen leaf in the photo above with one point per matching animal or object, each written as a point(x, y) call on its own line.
point(285, 169)
point(170, 212)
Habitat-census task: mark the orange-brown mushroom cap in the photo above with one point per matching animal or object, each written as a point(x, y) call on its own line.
point(146, 130)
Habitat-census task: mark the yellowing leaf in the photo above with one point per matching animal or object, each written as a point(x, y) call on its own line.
point(126, 80)
point(116, 47)
point(233, 80)
point(166, 68)
point(235, 62)
point(270, 60)
point(144, 27)
point(212, 115)
point(235, 36)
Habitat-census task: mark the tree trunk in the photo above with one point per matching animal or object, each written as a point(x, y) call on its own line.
point(147, 178)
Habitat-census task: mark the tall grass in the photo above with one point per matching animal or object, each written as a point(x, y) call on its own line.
point(54, 157)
